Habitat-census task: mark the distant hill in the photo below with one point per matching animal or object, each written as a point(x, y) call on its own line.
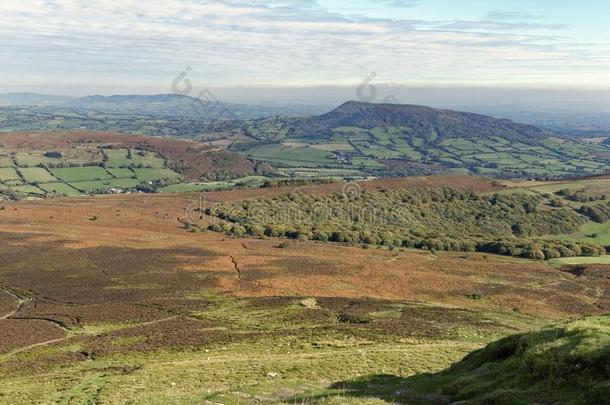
point(572, 124)
point(396, 140)
point(163, 114)
point(31, 99)
point(420, 120)
point(176, 105)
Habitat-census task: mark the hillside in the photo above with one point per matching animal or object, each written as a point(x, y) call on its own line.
point(206, 107)
point(568, 363)
point(167, 105)
point(392, 139)
point(563, 364)
point(32, 99)
point(109, 299)
point(420, 120)
point(164, 114)
point(508, 223)
point(73, 163)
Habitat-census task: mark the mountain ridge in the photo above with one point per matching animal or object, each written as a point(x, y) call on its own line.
point(423, 120)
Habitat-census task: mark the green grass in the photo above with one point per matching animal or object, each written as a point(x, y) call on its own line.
point(147, 159)
point(8, 173)
point(61, 188)
point(36, 175)
point(155, 174)
point(26, 159)
point(335, 147)
point(366, 162)
point(89, 186)
point(593, 232)
point(290, 156)
point(6, 161)
point(601, 185)
point(28, 189)
point(117, 157)
point(307, 353)
point(87, 173)
point(581, 260)
point(121, 173)
point(565, 364)
point(191, 187)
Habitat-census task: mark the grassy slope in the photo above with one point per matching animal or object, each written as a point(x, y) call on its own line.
point(567, 364)
point(306, 350)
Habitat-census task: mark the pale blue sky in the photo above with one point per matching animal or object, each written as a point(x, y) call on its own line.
point(106, 46)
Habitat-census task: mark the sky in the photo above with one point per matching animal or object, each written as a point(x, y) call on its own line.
point(253, 47)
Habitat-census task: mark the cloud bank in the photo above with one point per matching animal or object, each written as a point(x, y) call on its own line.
point(131, 44)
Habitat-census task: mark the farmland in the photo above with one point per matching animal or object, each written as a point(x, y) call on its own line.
point(418, 140)
point(96, 312)
point(363, 150)
point(39, 176)
point(72, 164)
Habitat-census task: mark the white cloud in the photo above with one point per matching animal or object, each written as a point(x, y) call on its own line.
point(235, 42)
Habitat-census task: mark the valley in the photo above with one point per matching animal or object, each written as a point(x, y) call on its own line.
point(287, 260)
point(110, 297)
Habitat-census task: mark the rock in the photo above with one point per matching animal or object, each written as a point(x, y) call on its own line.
point(310, 303)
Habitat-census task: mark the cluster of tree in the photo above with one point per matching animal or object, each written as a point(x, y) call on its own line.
point(265, 169)
point(441, 219)
point(59, 165)
point(11, 194)
point(54, 155)
point(296, 182)
point(541, 249)
point(598, 213)
point(581, 195)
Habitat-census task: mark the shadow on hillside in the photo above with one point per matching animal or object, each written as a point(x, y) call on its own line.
point(389, 388)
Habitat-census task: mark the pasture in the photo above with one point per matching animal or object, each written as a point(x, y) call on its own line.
point(36, 175)
point(87, 173)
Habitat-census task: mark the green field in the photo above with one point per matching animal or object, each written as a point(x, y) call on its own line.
point(87, 173)
point(593, 232)
point(366, 149)
point(250, 181)
point(290, 155)
point(192, 187)
point(117, 157)
point(27, 159)
point(155, 174)
point(147, 159)
point(36, 175)
point(121, 173)
point(90, 186)
point(28, 189)
point(74, 180)
point(6, 161)
point(61, 188)
point(8, 173)
point(581, 260)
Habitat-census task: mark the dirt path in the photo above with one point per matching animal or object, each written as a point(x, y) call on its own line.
point(44, 343)
point(70, 333)
point(20, 303)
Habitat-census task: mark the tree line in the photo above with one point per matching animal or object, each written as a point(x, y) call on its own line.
point(441, 219)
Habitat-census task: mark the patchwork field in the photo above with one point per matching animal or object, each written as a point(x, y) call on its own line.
point(93, 312)
point(389, 139)
point(74, 163)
